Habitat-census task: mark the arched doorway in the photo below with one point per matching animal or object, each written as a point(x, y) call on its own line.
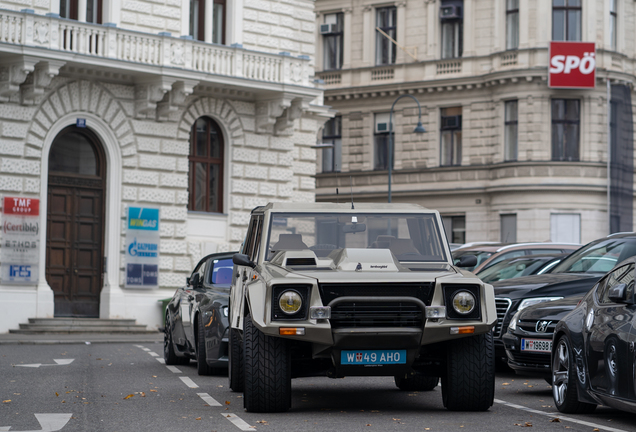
point(75, 222)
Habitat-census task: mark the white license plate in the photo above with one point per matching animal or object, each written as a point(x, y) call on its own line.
point(373, 357)
point(536, 345)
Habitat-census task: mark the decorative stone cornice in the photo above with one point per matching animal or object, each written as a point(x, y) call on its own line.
point(174, 99)
point(12, 75)
point(285, 123)
point(38, 81)
point(148, 93)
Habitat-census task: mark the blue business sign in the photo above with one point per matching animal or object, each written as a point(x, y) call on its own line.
point(142, 248)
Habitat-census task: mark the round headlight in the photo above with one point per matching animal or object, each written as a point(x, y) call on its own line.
point(463, 302)
point(290, 302)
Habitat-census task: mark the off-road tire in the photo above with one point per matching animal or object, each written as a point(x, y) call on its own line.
point(235, 365)
point(202, 365)
point(469, 383)
point(416, 382)
point(567, 388)
point(267, 371)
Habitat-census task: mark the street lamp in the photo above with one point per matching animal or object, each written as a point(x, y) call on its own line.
point(418, 129)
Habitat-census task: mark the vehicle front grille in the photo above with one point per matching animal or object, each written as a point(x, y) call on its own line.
point(530, 326)
point(373, 314)
point(541, 360)
point(503, 304)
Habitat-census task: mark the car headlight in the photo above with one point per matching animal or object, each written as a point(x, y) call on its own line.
point(513, 322)
point(290, 302)
point(463, 302)
point(532, 301)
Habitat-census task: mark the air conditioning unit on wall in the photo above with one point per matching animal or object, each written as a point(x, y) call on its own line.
point(450, 12)
point(328, 28)
point(381, 127)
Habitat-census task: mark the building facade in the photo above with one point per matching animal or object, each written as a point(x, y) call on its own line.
point(202, 109)
point(505, 157)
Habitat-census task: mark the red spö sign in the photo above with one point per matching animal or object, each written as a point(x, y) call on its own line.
point(572, 65)
point(21, 206)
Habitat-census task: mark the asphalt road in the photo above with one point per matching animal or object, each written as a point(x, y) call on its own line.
point(126, 387)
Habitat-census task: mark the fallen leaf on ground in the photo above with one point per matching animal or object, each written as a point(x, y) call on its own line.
point(6, 401)
point(142, 394)
point(264, 422)
point(368, 424)
point(129, 396)
point(555, 420)
point(227, 402)
point(155, 391)
point(505, 384)
point(198, 418)
point(57, 394)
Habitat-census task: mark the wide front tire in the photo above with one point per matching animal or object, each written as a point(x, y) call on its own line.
point(416, 382)
point(235, 364)
point(469, 384)
point(202, 364)
point(267, 371)
point(566, 398)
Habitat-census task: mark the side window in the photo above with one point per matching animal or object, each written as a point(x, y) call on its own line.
point(248, 247)
point(257, 238)
point(200, 270)
point(622, 275)
point(221, 273)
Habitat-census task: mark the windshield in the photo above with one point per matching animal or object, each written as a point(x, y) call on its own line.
point(598, 257)
point(410, 237)
point(510, 269)
point(481, 257)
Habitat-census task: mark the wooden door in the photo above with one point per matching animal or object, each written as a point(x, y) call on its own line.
point(75, 232)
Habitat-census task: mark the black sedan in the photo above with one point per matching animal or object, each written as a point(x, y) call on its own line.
point(197, 317)
point(519, 267)
point(593, 354)
point(574, 276)
point(528, 341)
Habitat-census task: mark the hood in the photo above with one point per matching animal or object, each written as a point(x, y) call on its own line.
point(546, 285)
point(550, 311)
point(354, 265)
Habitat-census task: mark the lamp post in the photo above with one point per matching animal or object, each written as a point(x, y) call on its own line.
point(418, 129)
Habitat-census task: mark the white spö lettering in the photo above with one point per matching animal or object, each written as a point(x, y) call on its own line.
point(571, 62)
point(557, 64)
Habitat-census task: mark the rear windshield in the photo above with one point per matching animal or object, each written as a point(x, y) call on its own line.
point(598, 257)
point(410, 237)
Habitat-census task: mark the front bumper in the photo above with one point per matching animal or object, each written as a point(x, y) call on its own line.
point(530, 363)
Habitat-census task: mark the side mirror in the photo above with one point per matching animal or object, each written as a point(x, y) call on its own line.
point(243, 260)
point(617, 293)
point(467, 261)
point(188, 280)
point(195, 281)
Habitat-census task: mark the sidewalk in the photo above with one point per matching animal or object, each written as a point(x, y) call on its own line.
point(79, 338)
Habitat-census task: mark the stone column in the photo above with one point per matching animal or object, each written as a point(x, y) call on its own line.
point(81, 10)
point(346, 43)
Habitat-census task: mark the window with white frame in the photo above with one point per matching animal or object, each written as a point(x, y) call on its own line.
point(332, 31)
point(455, 228)
point(381, 142)
point(386, 25)
point(197, 20)
point(565, 228)
point(332, 135)
point(451, 136)
point(566, 20)
point(512, 24)
point(566, 124)
point(510, 130)
point(70, 9)
point(613, 24)
point(452, 26)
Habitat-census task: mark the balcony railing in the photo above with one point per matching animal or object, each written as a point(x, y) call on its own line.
point(53, 33)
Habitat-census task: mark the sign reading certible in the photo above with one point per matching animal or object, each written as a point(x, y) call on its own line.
point(142, 248)
point(20, 252)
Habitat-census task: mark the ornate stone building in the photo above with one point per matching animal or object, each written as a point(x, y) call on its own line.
point(202, 109)
point(505, 157)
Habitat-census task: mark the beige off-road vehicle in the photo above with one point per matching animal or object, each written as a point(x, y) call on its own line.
point(357, 289)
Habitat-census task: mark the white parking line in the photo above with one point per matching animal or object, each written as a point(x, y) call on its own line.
point(238, 422)
point(560, 417)
point(209, 399)
point(160, 360)
point(154, 354)
point(173, 369)
point(145, 349)
point(187, 381)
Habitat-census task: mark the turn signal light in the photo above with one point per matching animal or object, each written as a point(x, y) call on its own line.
point(462, 330)
point(291, 331)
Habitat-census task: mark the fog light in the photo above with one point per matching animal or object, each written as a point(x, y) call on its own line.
point(290, 302)
point(291, 331)
point(320, 312)
point(462, 330)
point(435, 311)
point(463, 302)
